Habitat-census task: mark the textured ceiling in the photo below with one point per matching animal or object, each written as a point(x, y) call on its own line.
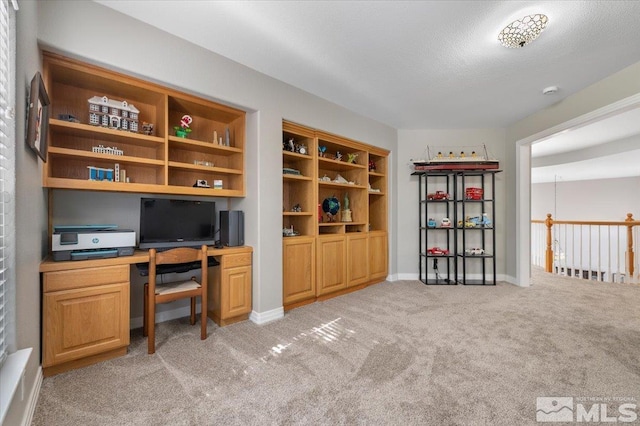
point(417, 64)
point(412, 64)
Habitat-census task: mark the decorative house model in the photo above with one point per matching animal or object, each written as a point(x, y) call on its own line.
point(106, 112)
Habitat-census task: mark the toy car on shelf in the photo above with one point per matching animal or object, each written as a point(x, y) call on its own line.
point(474, 251)
point(438, 195)
point(466, 223)
point(445, 223)
point(431, 223)
point(481, 220)
point(437, 251)
point(473, 193)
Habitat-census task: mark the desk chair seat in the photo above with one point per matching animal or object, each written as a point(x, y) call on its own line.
point(155, 293)
point(176, 287)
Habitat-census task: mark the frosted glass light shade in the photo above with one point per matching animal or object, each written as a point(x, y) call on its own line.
point(523, 31)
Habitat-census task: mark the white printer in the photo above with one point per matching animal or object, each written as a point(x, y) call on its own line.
point(82, 242)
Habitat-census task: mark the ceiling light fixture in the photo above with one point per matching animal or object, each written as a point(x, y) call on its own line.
point(523, 31)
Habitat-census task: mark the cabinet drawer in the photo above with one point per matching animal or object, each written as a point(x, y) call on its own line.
point(78, 278)
point(233, 260)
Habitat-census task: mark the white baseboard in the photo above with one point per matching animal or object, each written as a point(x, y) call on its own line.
point(514, 281)
point(408, 277)
point(264, 317)
point(509, 279)
point(415, 277)
point(33, 398)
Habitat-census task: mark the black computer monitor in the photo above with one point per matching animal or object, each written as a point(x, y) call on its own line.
point(167, 223)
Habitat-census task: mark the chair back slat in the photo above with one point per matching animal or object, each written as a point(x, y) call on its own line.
point(176, 255)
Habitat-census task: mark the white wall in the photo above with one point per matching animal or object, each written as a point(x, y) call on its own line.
point(63, 27)
point(31, 215)
point(412, 145)
point(608, 199)
point(607, 91)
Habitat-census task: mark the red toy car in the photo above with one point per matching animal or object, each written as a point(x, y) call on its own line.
point(438, 195)
point(473, 193)
point(437, 250)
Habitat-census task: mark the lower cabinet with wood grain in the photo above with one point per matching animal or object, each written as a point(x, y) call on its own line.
point(230, 290)
point(86, 306)
point(299, 270)
point(85, 317)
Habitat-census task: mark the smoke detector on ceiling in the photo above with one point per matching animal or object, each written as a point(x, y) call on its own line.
point(549, 90)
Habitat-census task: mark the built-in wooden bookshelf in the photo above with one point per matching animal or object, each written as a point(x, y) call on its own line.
point(326, 254)
point(158, 162)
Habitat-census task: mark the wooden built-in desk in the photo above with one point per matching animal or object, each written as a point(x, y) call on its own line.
point(85, 304)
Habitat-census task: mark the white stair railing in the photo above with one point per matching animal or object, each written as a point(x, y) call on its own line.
point(595, 250)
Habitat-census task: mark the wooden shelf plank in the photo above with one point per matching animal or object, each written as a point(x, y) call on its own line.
point(187, 166)
point(125, 159)
point(340, 185)
point(297, 155)
point(200, 146)
point(295, 177)
point(64, 183)
point(331, 164)
point(103, 133)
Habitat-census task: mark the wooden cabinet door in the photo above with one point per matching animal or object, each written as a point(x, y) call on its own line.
point(236, 292)
point(331, 263)
point(357, 259)
point(378, 257)
point(298, 269)
point(86, 321)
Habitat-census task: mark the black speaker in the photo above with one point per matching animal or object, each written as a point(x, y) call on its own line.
point(232, 228)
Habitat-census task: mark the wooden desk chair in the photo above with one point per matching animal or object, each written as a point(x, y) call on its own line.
point(155, 293)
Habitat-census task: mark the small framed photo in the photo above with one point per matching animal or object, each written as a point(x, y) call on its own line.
point(38, 117)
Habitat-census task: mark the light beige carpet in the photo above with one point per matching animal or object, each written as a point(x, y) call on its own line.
point(398, 353)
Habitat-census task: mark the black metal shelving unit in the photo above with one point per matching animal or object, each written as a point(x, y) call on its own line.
point(476, 269)
point(437, 269)
point(457, 266)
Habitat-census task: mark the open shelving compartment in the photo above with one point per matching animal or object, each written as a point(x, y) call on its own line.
point(299, 211)
point(153, 162)
point(212, 151)
point(339, 178)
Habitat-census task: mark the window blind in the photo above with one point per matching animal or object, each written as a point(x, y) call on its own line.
point(7, 174)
